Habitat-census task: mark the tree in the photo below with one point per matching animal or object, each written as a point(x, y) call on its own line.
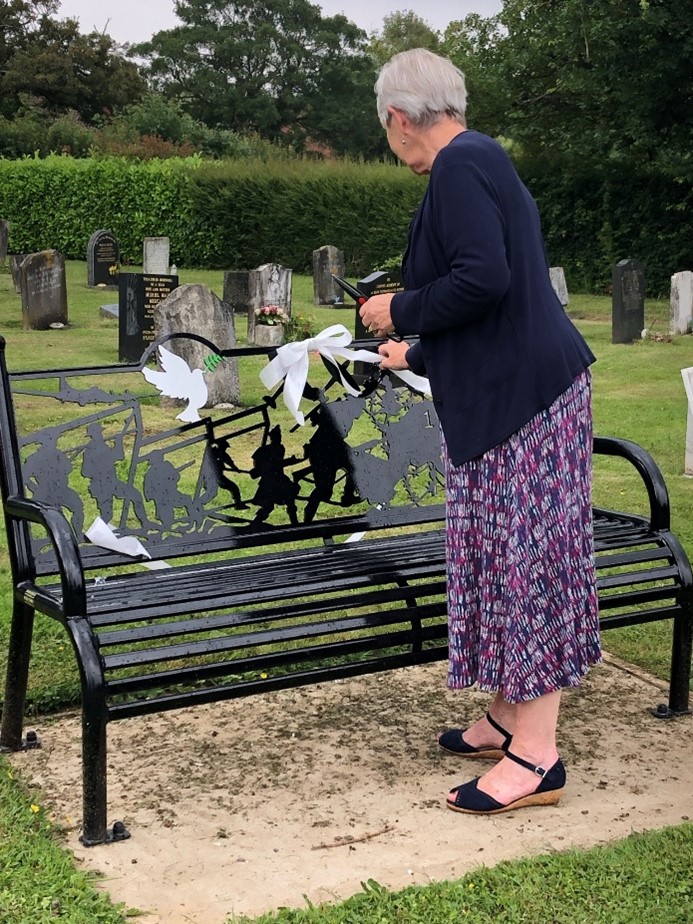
point(49, 61)
point(275, 67)
point(606, 79)
point(472, 45)
point(400, 32)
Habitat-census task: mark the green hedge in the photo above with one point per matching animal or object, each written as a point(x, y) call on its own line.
point(238, 215)
point(230, 215)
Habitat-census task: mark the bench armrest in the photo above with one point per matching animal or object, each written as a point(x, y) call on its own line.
point(647, 468)
point(64, 542)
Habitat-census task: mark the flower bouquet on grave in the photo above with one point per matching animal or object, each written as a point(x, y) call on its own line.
point(271, 315)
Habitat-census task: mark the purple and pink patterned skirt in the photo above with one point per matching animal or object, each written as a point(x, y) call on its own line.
point(522, 599)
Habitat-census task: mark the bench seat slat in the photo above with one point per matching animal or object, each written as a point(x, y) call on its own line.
point(283, 634)
point(276, 660)
point(159, 630)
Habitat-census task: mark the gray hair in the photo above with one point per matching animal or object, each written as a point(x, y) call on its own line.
point(423, 85)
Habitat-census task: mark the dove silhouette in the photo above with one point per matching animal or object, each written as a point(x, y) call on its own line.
point(177, 380)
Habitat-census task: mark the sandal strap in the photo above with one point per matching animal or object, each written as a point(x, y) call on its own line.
point(499, 728)
point(526, 764)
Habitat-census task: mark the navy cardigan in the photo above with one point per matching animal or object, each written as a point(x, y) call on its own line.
point(494, 340)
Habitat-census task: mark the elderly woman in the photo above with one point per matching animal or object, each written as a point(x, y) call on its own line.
point(510, 380)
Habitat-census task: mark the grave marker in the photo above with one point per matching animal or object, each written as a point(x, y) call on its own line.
point(237, 290)
point(138, 294)
point(269, 284)
point(43, 289)
point(4, 239)
point(681, 302)
point(327, 261)
point(156, 254)
point(195, 308)
point(628, 301)
point(559, 284)
point(103, 259)
point(687, 375)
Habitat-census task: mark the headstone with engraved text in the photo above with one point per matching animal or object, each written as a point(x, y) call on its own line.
point(628, 301)
point(43, 288)
point(380, 282)
point(269, 284)
point(138, 294)
point(103, 259)
point(156, 254)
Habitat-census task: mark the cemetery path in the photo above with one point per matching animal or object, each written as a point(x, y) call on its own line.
point(245, 806)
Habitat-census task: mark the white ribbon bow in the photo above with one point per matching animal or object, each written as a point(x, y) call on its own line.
point(292, 361)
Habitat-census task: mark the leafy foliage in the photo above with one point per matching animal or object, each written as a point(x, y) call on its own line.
point(276, 67)
point(50, 61)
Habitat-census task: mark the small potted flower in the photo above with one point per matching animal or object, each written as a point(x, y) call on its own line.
point(269, 325)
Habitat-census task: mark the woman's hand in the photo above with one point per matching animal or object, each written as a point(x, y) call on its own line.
point(375, 314)
point(393, 353)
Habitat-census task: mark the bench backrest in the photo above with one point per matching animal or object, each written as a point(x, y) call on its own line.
point(100, 442)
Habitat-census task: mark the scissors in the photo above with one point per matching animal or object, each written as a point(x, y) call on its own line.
point(360, 299)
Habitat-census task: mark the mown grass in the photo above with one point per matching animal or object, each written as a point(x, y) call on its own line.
point(638, 395)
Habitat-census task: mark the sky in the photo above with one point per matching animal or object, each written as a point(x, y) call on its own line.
point(137, 20)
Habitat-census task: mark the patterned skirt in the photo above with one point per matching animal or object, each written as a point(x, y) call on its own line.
point(522, 599)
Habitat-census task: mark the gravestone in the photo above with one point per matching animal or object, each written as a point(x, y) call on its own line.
point(43, 289)
point(4, 239)
point(156, 253)
point(138, 294)
point(15, 262)
point(687, 375)
point(628, 301)
point(380, 282)
point(196, 309)
point(269, 284)
point(103, 259)
point(237, 290)
point(110, 311)
point(327, 260)
point(681, 302)
point(559, 284)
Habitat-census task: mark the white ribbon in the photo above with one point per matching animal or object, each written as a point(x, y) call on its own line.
point(292, 361)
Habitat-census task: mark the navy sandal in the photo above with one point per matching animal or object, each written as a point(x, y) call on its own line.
point(471, 800)
point(453, 742)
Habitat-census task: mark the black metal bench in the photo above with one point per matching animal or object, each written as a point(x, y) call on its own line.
point(280, 555)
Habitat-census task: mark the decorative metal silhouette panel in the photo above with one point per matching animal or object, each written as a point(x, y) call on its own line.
point(110, 448)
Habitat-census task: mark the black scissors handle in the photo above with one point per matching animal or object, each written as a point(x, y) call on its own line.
point(360, 299)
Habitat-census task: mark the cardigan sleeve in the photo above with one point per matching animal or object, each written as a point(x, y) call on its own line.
point(460, 246)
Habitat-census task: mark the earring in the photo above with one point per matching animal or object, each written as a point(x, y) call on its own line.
point(404, 140)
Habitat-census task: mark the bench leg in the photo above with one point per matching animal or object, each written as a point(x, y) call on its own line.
point(19, 652)
point(94, 741)
point(681, 652)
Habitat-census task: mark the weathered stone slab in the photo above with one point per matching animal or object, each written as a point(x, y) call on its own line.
point(43, 288)
point(327, 261)
point(15, 262)
point(156, 255)
point(687, 375)
point(110, 311)
point(559, 284)
point(681, 302)
point(237, 290)
point(194, 308)
point(4, 239)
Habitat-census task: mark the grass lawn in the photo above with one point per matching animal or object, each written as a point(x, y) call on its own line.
point(639, 395)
